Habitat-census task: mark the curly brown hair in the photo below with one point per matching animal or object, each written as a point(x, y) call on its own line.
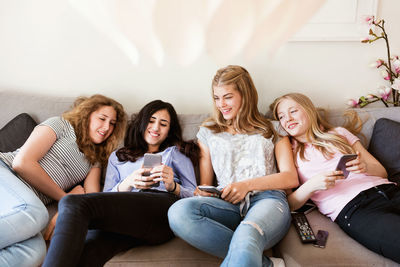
point(79, 117)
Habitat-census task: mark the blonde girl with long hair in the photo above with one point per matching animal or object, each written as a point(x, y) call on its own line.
point(59, 154)
point(365, 204)
point(241, 147)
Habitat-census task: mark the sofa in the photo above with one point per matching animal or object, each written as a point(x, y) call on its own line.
point(340, 249)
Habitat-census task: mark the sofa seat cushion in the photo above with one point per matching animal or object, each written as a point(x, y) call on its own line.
point(176, 252)
point(385, 146)
point(340, 250)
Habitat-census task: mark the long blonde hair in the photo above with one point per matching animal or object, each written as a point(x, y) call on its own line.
point(248, 120)
point(79, 117)
point(321, 134)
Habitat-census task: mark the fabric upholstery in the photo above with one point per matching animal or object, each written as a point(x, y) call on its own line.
point(385, 146)
point(14, 134)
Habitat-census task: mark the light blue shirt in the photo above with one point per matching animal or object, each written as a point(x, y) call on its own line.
point(181, 165)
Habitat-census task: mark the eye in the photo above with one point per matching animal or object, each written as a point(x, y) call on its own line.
point(102, 119)
point(293, 111)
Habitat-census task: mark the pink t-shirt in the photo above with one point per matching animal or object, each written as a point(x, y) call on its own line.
point(330, 202)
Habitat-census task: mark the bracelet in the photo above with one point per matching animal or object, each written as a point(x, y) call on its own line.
point(173, 190)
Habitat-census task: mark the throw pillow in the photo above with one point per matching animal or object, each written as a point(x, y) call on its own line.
point(14, 134)
point(385, 146)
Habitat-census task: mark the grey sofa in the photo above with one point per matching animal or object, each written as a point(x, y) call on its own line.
point(341, 250)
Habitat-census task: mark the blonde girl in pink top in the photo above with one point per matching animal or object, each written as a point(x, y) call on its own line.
point(365, 204)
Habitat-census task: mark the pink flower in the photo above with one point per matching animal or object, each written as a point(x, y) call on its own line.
point(385, 75)
point(384, 92)
point(396, 84)
point(396, 64)
point(377, 63)
point(369, 20)
point(352, 103)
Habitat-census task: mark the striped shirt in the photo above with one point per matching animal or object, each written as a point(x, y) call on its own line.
point(64, 163)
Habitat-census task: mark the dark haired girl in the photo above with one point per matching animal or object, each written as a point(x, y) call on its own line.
point(133, 212)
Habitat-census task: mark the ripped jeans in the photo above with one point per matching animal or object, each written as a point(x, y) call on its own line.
point(216, 227)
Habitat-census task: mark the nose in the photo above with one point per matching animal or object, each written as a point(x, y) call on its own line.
point(155, 126)
point(221, 103)
point(106, 126)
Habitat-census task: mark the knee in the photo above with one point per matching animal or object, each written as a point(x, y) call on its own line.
point(71, 203)
point(179, 213)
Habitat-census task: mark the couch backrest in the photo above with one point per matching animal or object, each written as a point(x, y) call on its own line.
point(41, 107)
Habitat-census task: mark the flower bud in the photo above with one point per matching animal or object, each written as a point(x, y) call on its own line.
point(385, 75)
point(352, 103)
point(384, 92)
point(377, 63)
point(370, 97)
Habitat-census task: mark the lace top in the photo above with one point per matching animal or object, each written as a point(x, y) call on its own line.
point(238, 157)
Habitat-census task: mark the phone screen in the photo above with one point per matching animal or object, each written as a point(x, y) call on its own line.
point(151, 161)
point(306, 208)
point(341, 166)
point(210, 189)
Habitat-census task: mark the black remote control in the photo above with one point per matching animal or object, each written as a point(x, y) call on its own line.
point(303, 228)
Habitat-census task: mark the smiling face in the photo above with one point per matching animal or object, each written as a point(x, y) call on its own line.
point(293, 119)
point(227, 100)
point(157, 129)
point(102, 123)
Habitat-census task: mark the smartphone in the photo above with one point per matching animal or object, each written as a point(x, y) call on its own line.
point(322, 237)
point(306, 208)
point(150, 161)
point(341, 166)
point(210, 189)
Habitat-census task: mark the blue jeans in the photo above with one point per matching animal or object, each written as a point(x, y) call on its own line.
point(22, 217)
point(216, 227)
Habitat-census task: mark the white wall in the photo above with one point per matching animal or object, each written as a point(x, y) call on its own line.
point(48, 48)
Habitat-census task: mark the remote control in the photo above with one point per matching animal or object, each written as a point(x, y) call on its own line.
point(303, 228)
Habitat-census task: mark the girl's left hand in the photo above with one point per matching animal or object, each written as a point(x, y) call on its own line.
point(357, 165)
point(164, 173)
point(234, 192)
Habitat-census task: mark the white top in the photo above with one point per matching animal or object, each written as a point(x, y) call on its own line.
point(238, 157)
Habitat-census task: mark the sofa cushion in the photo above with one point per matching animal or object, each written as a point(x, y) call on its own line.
point(14, 134)
point(340, 250)
point(385, 146)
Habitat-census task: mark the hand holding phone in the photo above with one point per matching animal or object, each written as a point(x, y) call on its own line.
point(210, 189)
point(341, 166)
point(149, 162)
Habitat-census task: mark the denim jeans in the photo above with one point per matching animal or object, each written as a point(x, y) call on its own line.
point(22, 217)
point(216, 227)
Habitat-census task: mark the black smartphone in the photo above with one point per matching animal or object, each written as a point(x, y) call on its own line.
point(210, 189)
point(341, 166)
point(306, 208)
point(322, 237)
point(150, 161)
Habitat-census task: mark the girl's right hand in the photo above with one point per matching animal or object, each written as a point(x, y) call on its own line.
point(198, 192)
point(136, 180)
point(324, 180)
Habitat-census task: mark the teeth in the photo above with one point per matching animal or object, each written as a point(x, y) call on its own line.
point(101, 133)
point(153, 134)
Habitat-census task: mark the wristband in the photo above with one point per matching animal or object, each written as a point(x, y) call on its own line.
point(173, 190)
